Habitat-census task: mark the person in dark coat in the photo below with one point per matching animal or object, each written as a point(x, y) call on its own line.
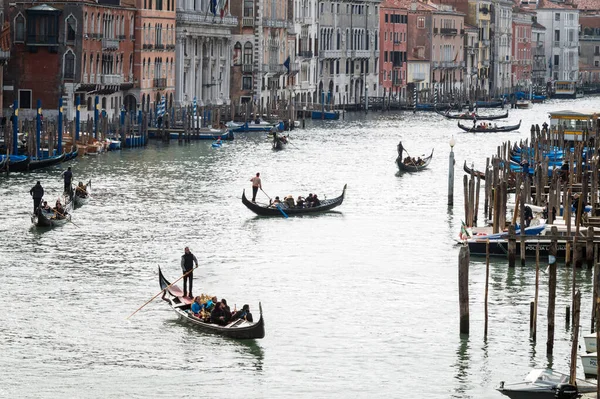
point(243, 314)
point(528, 215)
point(217, 316)
point(187, 265)
point(68, 178)
point(37, 192)
point(226, 311)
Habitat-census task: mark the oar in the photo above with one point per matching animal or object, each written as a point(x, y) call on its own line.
point(281, 210)
point(411, 159)
point(265, 193)
point(161, 291)
point(68, 220)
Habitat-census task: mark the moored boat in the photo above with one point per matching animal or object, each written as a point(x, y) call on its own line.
point(326, 204)
point(330, 115)
point(589, 361)
point(45, 162)
point(544, 384)
point(410, 164)
point(18, 163)
point(238, 329)
point(250, 126)
point(474, 172)
point(490, 128)
point(473, 115)
point(590, 342)
point(207, 134)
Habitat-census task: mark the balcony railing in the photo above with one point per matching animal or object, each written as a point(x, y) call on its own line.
point(276, 23)
point(435, 64)
point(326, 54)
point(435, 31)
point(485, 63)
point(247, 21)
point(159, 46)
point(160, 82)
point(111, 79)
point(485, 43)
point(305, 54)
point(361, 53)
point(418, 76)
point(110, 44)
point(274, 68)
point(556, 44)
point(448, 31)
point(201, 18)
point(248, 68)
point(294, 68)
point(121, 37)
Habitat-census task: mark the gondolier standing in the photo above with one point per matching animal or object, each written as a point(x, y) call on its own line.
point(37, 192)
point(187, 265)
point(256, 184)
point(68, 177)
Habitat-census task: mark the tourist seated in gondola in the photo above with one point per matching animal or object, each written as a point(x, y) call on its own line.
point(59, 210)
point(309, 201)
point(275, 202)
point(300, 202)
point(289, 201)
point(210, 304)
point(197, 306)
point(316, 201)
point(284, 139)
point(217, 316)
point(243, 314)
point(45, 207)
point(81, 190)
point(226, 311)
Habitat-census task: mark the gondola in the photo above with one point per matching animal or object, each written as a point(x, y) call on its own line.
point(18, 163)
point(476, 173)
point(494, 129)
point(43, 219)
point(279, 142)
point(326, 204)
point(412, 166)
point(72, 155)
point(239, 329)
point(45, 162)
point(3, 163)
point(78, 198)
point(472, 116)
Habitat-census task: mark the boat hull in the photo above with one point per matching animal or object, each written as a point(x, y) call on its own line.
point(500, 248)
point(590, 342)
point(589, 361)
point(330, 115)
point(326, 205)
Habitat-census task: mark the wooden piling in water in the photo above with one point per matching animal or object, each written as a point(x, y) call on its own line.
point(575, 336)
point(551, 291)
point(463, 288)
point(512, 246)
point(537, 291)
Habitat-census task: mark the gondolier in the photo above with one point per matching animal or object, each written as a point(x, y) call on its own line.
point(256, 184)
point(187, 265)
point(68, 177)
point(37, 192)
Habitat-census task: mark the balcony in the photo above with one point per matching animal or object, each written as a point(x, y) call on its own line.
point(110, 44)
point(305, 54)
point(294, 68)
point(435, 64)
point(4, 55)
point(418, 76)
point(247, 21)
point(201, 18)
point(132, 37)
point(485, 63)
point(556, 44)
point(361, 53)
point(160, 83)
point(472, 71)
point(448, 31)
point(435, 31)
point(397, 82)
point(121, 37)
point(159, 46)
point(485, 43)
point(329, 54)
point(111, 79)
point(276, 69)
point(276, 23)
point(247, 68)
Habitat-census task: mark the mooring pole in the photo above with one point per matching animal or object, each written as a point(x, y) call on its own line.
point(552, 290)
point(15, 126)
point(463, 288)
point(60, 127)
point(451, 173)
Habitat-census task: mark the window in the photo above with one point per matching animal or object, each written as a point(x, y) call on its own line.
point(248, 53)
point(20, 28)
point(596, 63)
point(556, 16)
point(237, 53)
point(69, 65)
point(71, 26)
point(248, 8)
point(247, 83)
point(386, 18)
point(25, 99)
point(557, 35)
point(556, 59)
point(421, 22)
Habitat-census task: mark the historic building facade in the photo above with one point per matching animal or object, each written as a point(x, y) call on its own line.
point(521, 57)
point(393, 28)
point(502, 44)
point(305, 26)
point(538, 57)
point(203, 52)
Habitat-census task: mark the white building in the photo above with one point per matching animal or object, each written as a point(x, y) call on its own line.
point(502, 42)
point(305, 22)
point(203, 54)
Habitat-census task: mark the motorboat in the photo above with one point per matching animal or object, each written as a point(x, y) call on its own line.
point(590, 342)
point(590, 364)
point(543, 384)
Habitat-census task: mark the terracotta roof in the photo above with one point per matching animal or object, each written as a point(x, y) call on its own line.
point(538, 26)
point(587, 4)
point(396, 3)
point(589, 21)
point(553, 5)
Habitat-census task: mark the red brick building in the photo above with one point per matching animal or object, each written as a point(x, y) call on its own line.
point(67, 50)
point(522, 57)
point(393, 22)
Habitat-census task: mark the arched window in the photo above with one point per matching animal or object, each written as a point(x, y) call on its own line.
point(20, 28)
point(131, 27)
point(85, 23)
point(248, 53)
point(237, 53)
point(69, 65)
point(89, 103)
point(92, 20)
point(144, 69)
point(71, 28)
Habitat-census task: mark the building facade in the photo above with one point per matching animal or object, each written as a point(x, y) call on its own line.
point(203, 53)
point(502, 45)
point(471, 61)
point(479, 16)
point(393, 23)
point(589, 48)
point(522, 57)
point(539, 77)
point(305, 26)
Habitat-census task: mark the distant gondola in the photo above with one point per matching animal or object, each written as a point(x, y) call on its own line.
point(476, 173)
point(43, 219)
point(412, 166)
point(472, 116)
point(490, 129)
point(81, 198)
point(45, 162)
point(279, 142)
point(239, 329)
point(326, 204)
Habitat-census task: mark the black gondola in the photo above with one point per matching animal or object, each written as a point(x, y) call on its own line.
point(490, 129)
point(42, 219)
point(279, 142)
point(476, 173)
point(45, 162)
point(18, 164)
point(472, 116)
point(412, 166)
point(326, 205)
point(239, 329)
point(72, 155)
point(81, 197)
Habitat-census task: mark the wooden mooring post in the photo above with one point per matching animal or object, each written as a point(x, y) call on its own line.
point(552, 290)
point(463, 288)
point(487, 283)
point(575, 335)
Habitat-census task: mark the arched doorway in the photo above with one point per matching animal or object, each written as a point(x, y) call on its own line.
point(320, 98)
point(130, 103)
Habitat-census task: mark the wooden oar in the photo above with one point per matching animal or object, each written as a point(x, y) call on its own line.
point(161, 291)
point(265, 193)
point(281, 210)
point(68, 220)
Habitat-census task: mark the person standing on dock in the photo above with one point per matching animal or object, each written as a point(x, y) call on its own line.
point(37, 192)
point(68, 178)
point(256, 184)
point(187, 265)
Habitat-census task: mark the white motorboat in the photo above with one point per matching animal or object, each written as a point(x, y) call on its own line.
point(590, 342)
point(543, 384)
point(590, 364)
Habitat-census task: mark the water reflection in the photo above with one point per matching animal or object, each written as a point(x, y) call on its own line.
point(462, 367)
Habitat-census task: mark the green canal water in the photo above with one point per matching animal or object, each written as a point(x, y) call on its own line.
point(360, 302)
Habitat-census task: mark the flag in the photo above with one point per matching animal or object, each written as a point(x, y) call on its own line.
point(455, 57)
point(286, 64)
point(160, 109)
point(223, 6)
point(195, 106)
point(464, 233)
point(213, 7)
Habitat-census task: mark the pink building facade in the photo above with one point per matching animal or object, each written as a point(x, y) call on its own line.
point(522, 57)
point(393, 22)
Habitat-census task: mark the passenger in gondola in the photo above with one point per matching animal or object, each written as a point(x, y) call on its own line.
point(300, 202)
point(309, 200)
point(45, 207)
point(289, 201)
point(243, 314)
point(226, 311)
point(217, 316)
point(59, 210)
point(197, 306)
point(81, 190)
point(419, 161)
point(316, 201)
point(275, 202)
